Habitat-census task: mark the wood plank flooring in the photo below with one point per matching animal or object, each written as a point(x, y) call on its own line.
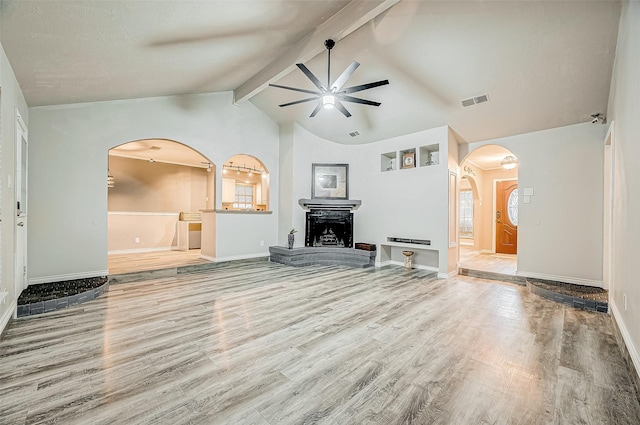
point(486, 262)
point(262, 343)
point(144, 261)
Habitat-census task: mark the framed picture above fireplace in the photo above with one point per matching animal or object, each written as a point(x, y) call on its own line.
point(330, 181)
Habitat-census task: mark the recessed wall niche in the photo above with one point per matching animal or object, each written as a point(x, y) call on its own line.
point(388, 161)
point(423, 156)
point(429, 155)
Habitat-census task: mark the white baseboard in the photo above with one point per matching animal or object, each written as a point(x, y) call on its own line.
point(70, 276)
point(565, 279)
point(633, 351)
point(486, 251)
point(11, 311)
point(141, 250)
point(233, 257)
point(401, 263)
point(447, 275)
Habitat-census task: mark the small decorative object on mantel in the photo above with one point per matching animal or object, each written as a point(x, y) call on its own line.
point(291, 238)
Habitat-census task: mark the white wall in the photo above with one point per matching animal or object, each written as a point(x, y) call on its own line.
point(624, 109)
point(286, 207)
point(11, 98)
point(68, 168)
point(409, 203)
point(560, 231)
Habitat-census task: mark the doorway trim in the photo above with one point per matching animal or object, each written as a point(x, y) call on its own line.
point(20, 180)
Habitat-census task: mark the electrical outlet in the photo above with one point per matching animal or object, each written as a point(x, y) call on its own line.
point(261, 243)
point(137, 239)
point(624, 301)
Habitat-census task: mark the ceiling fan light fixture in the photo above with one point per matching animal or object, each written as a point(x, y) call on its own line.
point(331, 96)
point(328, 101)
point(509, 162)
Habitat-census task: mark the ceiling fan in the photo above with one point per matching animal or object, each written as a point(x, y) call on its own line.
point(332, 95)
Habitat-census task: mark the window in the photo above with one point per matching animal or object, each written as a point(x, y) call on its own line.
point(466, 213)
point(512, 207)
point(244, 196)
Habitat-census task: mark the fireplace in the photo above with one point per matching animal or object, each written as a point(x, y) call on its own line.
point(329, 228)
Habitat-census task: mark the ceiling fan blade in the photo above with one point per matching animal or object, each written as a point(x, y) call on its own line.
point(365, 86)
point(298, 101)
point(296, 89)
point(310, 76)
point(358, 100)
point(337, 85)
point(341, 108)
point(315, 111)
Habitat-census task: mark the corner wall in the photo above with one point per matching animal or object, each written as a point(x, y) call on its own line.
point(11, 99)
point(68, 166)
point(560, 232)
point(407, 203)
point(624, 110)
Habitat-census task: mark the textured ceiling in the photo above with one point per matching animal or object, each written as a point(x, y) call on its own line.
point(543, 64)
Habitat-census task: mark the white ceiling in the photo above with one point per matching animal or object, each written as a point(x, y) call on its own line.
point(544, 64)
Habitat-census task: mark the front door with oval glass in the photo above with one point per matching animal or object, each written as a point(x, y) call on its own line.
point(507, 217)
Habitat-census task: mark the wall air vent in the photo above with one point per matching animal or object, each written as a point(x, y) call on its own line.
point(354, 134)
point(475, 100)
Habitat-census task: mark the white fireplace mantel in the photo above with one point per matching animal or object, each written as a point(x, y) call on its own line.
point(329, 204)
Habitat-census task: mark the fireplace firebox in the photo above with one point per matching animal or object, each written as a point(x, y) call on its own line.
point(329, 228)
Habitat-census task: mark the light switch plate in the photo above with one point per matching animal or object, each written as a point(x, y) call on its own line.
point(527, 199)
point(528, 191)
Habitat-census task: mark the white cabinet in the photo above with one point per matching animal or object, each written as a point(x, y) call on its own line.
point(228, 190)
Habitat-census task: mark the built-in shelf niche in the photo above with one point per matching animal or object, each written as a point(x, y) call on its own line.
point(429, 155)
point(424, 156)
point(388, 161)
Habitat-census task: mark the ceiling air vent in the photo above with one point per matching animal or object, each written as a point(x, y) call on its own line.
point(154, 148)
point(475, 100)
point(354, 134)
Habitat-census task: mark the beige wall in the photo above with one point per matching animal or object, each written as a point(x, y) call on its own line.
point(147, 197)
point(483, 202)
point(489, 177)
point(130, 232)
point(142, 186)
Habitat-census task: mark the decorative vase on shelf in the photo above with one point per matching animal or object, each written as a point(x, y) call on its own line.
point(291, 238)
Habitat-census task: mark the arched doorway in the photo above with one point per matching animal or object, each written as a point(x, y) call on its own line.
point(489, 211)
point(157, 188)
point(245, 184)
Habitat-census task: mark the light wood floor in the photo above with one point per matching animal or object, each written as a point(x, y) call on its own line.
point(262, 343)
point(138, 262)
point(144, 261)
point(496, 263)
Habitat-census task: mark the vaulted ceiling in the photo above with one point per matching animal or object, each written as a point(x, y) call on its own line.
point(543, 64)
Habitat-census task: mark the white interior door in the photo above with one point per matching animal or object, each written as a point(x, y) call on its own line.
point(21, 206)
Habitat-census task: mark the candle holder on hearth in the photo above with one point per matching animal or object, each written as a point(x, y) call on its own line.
point(408, 259)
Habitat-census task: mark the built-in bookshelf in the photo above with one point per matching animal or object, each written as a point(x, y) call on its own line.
point(423, 156)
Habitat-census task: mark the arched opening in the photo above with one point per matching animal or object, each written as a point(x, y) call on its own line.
point(489, 210)
point(157, 188)
point(245, 184)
